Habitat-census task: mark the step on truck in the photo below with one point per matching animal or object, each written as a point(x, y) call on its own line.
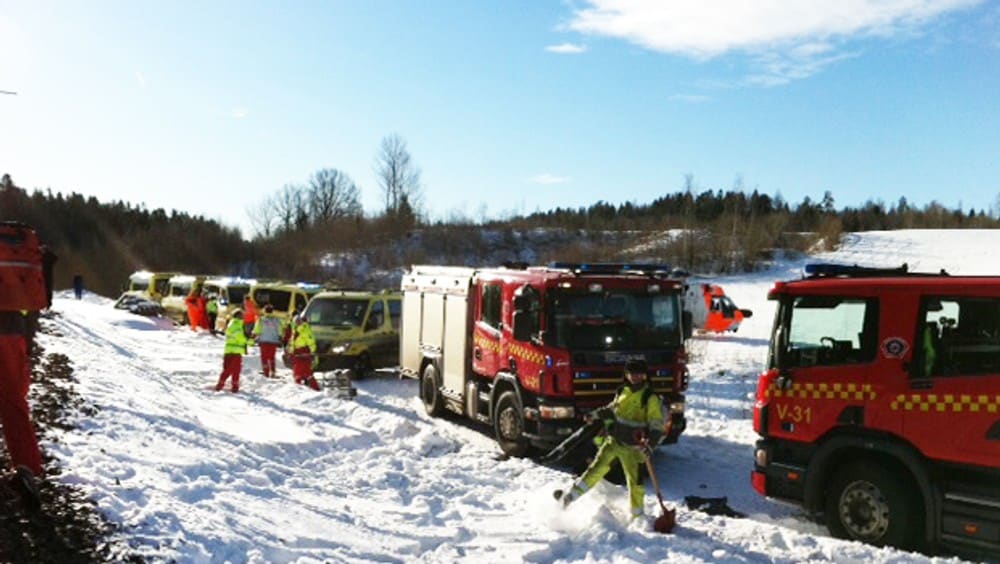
point(530, 350)
point(880, 407)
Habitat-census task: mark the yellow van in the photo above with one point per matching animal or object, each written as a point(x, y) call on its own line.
point(286, 298)
point(355, 329)
point(174, 304)
point(149, 285)
point(228, 293)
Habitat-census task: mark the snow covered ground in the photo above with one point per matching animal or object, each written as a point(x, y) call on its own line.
point(279, 473)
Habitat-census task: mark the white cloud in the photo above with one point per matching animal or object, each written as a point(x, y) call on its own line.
point(567, 48)
point(801, 33)
point(240, 113)
point(546, 178)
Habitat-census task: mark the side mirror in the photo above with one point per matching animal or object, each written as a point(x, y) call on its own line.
point(522, 326)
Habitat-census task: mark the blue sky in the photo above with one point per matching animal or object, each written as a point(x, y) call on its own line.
point(506, 107)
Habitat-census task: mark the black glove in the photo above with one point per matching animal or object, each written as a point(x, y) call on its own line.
point(654, 437)
point(645, 449)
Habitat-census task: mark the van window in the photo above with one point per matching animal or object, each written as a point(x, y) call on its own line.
point(338, 312)
point(162, 286)
point(236, 294)
point(279, 299)
point(300, 302)
point(376, 316)
point(395, 312)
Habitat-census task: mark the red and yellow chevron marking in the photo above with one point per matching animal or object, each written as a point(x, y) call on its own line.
point(947, 403)
point(488, 344)
point(524, 353)
point(824, 391)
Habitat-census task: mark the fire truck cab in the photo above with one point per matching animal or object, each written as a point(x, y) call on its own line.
point(880, 406)
point(530, 350)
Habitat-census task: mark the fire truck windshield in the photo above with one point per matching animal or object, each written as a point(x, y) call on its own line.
point(612, 320)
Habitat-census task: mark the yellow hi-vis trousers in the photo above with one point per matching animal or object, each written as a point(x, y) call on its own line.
point(630, 459)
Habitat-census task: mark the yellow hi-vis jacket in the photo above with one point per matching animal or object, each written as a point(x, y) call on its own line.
point(632, 416)
point(236, 340)
point(303, 337)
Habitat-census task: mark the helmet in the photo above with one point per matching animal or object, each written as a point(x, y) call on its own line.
point(238, 313)
point(636, 365)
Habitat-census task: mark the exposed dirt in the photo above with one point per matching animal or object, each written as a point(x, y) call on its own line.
point(69, 527)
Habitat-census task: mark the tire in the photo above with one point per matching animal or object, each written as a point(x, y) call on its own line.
point(362, 367)
point(508, 425)
point(430, 392)
point(869, 503)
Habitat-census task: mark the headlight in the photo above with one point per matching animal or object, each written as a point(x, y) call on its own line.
point(556, 412)
point(676, 407)
point(762, 457)
point(341, 348)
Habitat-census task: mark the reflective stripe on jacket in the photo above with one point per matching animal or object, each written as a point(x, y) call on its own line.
point(632, 416)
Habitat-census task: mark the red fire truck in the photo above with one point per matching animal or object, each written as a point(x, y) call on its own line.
point(530, 350)
point(880, 407)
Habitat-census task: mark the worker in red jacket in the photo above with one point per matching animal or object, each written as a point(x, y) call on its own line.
point(15, 415)
point(249, 314)
point(194, 309)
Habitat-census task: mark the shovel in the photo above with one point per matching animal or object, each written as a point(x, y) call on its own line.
point(665, 522)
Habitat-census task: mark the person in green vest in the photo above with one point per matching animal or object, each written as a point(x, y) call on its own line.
point(303, 345)
point(634, 422)
point(212, 307)
point(236, 347)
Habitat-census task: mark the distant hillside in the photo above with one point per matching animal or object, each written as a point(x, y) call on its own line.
point(712, 231)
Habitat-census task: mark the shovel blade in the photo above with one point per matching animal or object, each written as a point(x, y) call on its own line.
point(665, 523)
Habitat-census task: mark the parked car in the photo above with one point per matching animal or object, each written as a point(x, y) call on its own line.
point(139, 305)
point(354, 329)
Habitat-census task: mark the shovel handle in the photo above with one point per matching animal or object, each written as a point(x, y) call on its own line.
point(656, 483)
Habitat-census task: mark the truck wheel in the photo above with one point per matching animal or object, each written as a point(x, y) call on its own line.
point(508, 423)
point(430, 391)
point(362, 367)
point(866, 502)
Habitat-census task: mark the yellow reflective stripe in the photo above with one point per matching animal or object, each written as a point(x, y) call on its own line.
point(840, 391)
point(946, 403)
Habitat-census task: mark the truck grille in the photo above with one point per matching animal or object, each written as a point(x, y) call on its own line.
point(604, 384)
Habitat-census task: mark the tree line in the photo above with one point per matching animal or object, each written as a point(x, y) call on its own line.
point(318, 230)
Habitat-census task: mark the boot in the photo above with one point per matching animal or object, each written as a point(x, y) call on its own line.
point(24, 484)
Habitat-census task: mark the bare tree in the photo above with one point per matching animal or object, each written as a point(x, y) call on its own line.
point(398, 177)
point(263, 217)
point(332, 195)
point(290, 207)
